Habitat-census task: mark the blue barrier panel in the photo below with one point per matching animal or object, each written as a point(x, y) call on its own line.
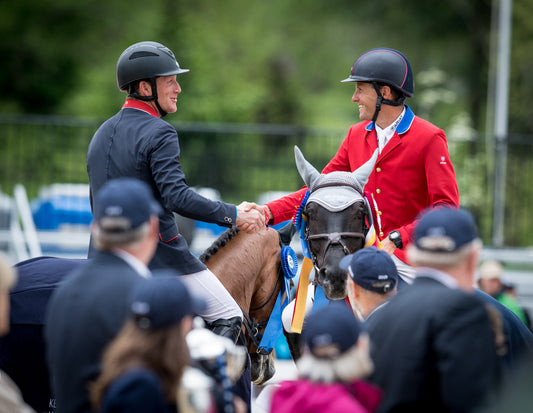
point(53, 212)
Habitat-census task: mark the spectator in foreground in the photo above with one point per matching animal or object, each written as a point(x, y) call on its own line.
point(332, 369)
point(10, 398)
point(434, 348)
point(373, 280)
point(142, 367)
point(88, 309)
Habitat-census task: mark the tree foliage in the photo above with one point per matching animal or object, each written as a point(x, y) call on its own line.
point(271, 61)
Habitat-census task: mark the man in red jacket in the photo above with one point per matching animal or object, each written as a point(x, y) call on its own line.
point(413, 170)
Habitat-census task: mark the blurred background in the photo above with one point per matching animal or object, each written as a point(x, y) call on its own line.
point(264, 76)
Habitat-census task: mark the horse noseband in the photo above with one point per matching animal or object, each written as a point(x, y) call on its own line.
point(336, 238)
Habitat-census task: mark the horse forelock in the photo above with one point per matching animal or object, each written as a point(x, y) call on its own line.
point(220, 242)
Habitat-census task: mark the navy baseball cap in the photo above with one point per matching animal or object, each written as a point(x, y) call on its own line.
point(162, 301)
point(372, 269)
point(123, 204)
point(444, 229)
point(331, 330)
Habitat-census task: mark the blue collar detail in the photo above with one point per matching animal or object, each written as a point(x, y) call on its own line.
point(404, 125)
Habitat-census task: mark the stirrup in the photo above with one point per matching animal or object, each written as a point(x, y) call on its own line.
point(227, 327)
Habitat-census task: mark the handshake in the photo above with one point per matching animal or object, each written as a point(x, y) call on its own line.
point(252, 217)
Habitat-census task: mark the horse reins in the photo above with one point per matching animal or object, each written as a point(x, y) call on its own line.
point(253, 327)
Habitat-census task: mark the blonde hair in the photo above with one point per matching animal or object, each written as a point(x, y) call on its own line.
point(439, 260)
point(164, 351)
point(108, 240)
point(490, 269)
point(353, 364)
point(8, 274)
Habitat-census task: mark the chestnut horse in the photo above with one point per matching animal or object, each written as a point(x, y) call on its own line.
point(249, 266)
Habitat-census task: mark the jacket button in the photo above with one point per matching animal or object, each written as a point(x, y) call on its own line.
point(378, 191)
point(378, 169)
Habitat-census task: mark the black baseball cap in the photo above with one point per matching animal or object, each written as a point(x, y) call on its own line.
point(162, 301)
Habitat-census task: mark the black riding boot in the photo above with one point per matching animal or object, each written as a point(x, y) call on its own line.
point(227, 327)
point(295, 344)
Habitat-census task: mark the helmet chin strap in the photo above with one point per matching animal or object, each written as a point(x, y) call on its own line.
point(152, 98)
point(382, 101)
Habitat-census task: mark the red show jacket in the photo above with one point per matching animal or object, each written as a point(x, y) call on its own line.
point(413, 172)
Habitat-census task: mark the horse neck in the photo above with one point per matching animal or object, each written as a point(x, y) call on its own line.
point(244, 264)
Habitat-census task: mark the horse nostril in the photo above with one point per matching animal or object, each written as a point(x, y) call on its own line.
point(322, 276)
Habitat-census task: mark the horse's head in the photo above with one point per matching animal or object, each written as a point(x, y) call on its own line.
point(337, 220)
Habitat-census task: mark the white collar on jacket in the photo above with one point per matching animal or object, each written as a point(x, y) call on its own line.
point(403, 126)
point(437, 275)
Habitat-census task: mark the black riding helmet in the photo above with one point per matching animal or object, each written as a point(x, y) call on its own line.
point(384, 67)
point(146, 61)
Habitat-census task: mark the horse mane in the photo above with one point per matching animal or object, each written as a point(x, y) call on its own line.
point(221, 241)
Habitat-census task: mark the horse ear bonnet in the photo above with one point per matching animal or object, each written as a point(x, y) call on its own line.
point(336, 190)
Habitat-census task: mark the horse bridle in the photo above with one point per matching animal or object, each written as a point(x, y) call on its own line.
point(334, 238)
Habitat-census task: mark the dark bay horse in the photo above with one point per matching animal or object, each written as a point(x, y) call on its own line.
point(338, 220)
point(249, 266)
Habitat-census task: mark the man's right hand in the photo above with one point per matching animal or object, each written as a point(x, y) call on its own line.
point(250, 217)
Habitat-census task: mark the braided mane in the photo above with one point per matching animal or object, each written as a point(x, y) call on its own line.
point(221, 241)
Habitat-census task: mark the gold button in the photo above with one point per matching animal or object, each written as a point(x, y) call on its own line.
point(378, 169)
point(378, 191)
point(381, 234)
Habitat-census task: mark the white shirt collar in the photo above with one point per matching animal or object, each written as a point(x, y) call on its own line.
point(437, 275)
point(134, 262)
point(384, 135)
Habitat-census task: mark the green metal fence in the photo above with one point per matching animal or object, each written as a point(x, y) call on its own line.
point(244, 161)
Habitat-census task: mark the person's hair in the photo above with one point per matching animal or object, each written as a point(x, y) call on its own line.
point(441, 260)
point(353, 364)
point(133, 87)
point(8, 275)
point(108, 240)
point(164, 351)
point(496, 322)
point(397, 94)
point(379, 294)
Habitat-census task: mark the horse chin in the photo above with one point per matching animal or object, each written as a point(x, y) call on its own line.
point(335, 294)
point(333, 283)
point(262, 368)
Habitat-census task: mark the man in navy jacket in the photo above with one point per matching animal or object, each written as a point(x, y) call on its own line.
point(136, 142)
point(433, 344)
point(88, 309)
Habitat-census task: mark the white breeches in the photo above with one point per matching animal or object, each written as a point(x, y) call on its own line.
point(220, 304)
point(405, 271)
